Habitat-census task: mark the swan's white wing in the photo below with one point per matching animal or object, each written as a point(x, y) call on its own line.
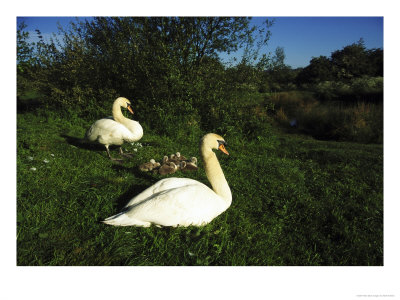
point(107, 131)
point(193, 204)
point(135, 128)
point(163, 185)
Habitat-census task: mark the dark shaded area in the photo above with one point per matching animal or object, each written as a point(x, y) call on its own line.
point(134, 189)
point(82, 144)
point(28, 104)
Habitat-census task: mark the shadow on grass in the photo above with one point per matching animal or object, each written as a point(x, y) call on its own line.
point(28, 104)
point(81, 143)
point(135, 189)
point(98, 148)
point(132, 192)
point(135, 171)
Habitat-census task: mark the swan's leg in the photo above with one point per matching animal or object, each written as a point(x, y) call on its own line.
point(129, 155)
point(109, 155)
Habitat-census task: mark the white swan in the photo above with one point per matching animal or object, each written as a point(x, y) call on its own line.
point(181, 201)
point(117, 129)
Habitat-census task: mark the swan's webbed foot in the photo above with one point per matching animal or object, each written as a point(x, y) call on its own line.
point(127, 155)
point(117, 160)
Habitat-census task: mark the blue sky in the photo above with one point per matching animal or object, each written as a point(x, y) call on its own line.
point(301, 37)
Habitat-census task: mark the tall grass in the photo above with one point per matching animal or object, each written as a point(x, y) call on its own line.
point(332, 120)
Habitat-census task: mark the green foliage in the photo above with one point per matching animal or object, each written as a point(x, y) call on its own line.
point(169, 67)
point(368, 89)
point(353, 61)
point(24, 60)
point(319, 70)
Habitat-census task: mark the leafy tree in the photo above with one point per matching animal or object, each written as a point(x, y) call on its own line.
point(168, 66)
point(274, 74)
point(351, 61)
point(24, 49)
point(24, 58)
point(278, 60)
point(375, 59)
point(320, 69)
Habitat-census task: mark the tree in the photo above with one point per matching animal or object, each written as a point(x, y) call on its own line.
point(320, 69)
point(274, 74)
point(375, 59)
point(24, 58)
point(170, 66)
point(351, 61)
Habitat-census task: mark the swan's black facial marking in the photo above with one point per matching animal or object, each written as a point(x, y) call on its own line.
point(220, 142)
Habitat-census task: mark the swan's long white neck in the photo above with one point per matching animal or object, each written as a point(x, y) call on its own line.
point(133, 126)
point(215, 174)
point(117, 113)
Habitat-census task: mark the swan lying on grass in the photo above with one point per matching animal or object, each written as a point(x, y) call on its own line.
point(181, 201)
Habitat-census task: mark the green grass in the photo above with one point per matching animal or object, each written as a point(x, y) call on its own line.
point(296, 201)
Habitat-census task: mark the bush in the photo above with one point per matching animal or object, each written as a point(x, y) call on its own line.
point(363, 88)
point(167, 66)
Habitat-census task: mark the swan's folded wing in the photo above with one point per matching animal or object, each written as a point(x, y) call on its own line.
point(191, 204)
point(107, 131)
point(135, 129)
point(163, 185)
point(115, 129)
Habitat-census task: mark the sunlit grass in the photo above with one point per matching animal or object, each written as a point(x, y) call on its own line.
point(296, 201)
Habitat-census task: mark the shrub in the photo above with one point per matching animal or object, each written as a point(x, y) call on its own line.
point(362, 88)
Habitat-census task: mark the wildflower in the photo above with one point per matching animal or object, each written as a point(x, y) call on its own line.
point(191, 253)
point(45, 161)
point(135, 150)
point(52, 154)
point(32, 169)
point(30, 157)
point(137, 144)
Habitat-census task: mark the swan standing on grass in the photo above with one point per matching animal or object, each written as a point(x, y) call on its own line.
point(115, 130)
point(181, 201)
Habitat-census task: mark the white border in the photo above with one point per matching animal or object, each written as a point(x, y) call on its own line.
point(198, 282)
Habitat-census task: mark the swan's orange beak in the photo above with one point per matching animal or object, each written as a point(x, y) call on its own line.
point(222, 148)
point(130, 109)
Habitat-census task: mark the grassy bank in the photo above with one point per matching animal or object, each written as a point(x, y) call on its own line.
point(296, 200)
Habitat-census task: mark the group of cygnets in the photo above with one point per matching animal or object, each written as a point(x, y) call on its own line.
point(171, 201)
point(169, 165)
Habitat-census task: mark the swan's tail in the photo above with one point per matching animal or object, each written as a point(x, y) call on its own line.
point(121, 219)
